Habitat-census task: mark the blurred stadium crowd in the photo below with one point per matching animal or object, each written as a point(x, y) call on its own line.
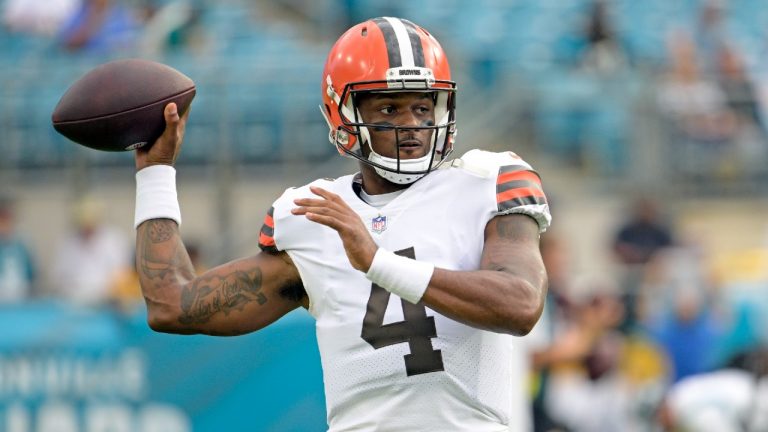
point(646, 117)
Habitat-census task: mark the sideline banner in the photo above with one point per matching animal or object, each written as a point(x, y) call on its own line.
point(70, 369)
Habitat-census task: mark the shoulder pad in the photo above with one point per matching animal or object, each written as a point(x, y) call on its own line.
point(486, 164)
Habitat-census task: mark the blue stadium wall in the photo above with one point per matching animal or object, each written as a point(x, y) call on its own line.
point(66, 369)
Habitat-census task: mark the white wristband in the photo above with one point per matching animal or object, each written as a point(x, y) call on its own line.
point(404, 277)
point(156, 194)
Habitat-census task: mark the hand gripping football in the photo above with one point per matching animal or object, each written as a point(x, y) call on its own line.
point(119, 105)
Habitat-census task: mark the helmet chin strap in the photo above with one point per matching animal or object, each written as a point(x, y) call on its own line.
point(418, 164)
point(408, 165)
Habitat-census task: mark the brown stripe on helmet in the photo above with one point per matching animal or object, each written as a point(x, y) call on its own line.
point(393, 48)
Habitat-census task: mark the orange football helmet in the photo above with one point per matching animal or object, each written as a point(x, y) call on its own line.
point(387, 55)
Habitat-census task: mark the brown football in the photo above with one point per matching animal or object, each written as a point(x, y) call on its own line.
point(119, 105)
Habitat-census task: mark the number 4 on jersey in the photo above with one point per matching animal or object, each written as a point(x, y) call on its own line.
point(417, 329)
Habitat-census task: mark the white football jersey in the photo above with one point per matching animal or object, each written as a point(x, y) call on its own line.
point(389, 365)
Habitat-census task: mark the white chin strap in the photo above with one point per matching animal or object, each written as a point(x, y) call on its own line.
point(407, 167)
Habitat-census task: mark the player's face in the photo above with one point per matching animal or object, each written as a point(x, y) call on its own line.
point(399, 109)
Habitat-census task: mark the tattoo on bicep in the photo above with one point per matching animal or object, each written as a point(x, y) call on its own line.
point(216, 293)
point(511, 229)
point(513, 232)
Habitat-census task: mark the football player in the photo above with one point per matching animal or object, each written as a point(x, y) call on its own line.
point(417, 269)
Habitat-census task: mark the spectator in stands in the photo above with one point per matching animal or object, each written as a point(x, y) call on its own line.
point(604, 52)
point(583, 357)
point(171, 26)
point(705, 29)
point(586, 390)
point(742, 99)
point(88, 260)
point(598, 110)
point(17, 265)
point(700, 123)
point(709, 34)
point(37, 17)
point(642, 234)
point(637, 239)
point(100, 27)
point(736, 84)
point(680, 312)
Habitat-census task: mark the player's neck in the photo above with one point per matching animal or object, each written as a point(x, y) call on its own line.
point(374, 184)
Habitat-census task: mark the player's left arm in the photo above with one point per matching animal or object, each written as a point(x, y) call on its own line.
point(507, 293)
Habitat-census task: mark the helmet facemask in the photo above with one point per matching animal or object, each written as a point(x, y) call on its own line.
point(397, 170)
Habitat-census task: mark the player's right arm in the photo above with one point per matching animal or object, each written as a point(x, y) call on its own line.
point(235, 298)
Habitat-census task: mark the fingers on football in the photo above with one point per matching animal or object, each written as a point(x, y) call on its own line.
point(172, 120)
point(171, 113)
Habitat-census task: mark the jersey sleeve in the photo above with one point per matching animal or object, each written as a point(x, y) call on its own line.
point(267, 233)
point(518, 187)
point(281, 230)
point(278, 223)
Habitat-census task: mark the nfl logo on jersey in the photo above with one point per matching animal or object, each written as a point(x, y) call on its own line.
point(379, 224)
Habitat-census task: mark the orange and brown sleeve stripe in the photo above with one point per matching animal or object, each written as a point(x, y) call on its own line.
point(266, 236)
point(517, 187)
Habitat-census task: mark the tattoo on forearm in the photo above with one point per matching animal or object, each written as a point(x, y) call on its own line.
point(155, 262)
point(160, 230)
point(162, 259)
point(220, 293)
